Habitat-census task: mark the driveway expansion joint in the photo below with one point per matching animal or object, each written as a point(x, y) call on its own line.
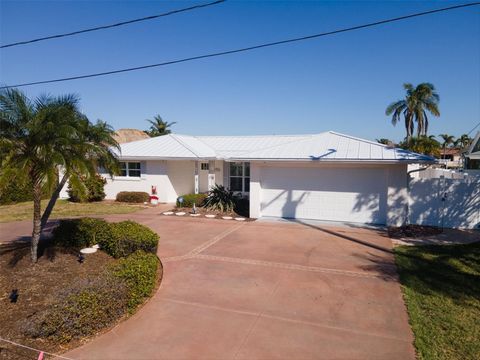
point(260, 314)
point(287, 266)
point(191, 254)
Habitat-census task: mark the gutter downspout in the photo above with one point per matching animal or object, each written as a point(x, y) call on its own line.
point(408, 188)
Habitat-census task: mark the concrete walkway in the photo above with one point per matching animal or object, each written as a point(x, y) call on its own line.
point(260, 290)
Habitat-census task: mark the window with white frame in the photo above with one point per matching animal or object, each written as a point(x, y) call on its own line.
point(130, 169)
point(240, 177)
point(204, 166)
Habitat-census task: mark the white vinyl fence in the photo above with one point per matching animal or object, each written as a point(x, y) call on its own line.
point(452, 203)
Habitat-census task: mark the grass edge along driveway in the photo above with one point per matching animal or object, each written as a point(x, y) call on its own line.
point(441, 288)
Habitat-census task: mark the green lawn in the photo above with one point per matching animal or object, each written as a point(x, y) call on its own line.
point(63, 208)
point(441, 286)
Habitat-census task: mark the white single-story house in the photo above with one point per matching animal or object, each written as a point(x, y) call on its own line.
point(326, 176)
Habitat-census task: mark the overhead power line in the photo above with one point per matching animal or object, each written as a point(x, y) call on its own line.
point(250, 48)
point(473, 129)
point(103, 27)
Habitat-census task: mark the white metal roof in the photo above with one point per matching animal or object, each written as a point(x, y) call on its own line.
point(327, 146)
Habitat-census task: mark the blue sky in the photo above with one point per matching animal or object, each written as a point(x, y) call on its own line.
point(342, 82)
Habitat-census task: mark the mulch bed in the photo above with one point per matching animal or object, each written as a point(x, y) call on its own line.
point(413, 231)
point(37, 285)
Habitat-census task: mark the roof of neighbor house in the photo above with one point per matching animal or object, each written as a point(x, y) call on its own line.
point(128, 135)
point(326, 146)
point(451, 151)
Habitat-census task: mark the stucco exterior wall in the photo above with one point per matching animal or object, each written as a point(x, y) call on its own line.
point(172, 179)
point(397, 195)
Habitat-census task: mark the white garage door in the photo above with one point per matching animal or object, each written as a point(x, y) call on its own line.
point(335, 193)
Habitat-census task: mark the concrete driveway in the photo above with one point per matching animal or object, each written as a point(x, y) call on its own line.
point(262, 290)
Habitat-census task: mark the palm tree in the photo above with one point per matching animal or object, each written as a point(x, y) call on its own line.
point(447, 141)
point(463, 141)
point(159, 127)
point(418, 101)
point(42, 138)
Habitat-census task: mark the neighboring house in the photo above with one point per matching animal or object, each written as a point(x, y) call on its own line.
point(128, 135)
point(451, 158)
point(326, 176)
point(472, 156)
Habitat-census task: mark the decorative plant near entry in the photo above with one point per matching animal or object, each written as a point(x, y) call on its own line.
point(220, 198)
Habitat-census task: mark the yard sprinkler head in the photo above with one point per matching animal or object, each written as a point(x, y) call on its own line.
point(13, 296)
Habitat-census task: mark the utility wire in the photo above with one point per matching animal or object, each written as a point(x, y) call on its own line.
point(473, 129)
point(103, 27)
point(250, 48)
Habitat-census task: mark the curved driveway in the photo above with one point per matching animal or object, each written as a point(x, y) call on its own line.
point(264, 290)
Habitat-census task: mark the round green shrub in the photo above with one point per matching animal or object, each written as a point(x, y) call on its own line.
point(126, 237)
point(133, 197)
point(190, 199)
point(94, 190)
point(82, 310)
point(80, 233)
point(139, 272)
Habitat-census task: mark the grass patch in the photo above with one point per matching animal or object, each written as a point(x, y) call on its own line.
point(441, 286)
point(64, 208)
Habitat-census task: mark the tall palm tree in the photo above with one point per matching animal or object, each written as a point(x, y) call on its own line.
point(418, 101)
point(159, 127)
point(40, 137)
point(447, 141)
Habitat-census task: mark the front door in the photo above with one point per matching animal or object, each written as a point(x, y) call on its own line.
point(203, 177)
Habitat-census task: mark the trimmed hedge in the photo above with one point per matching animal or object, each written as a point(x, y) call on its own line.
point(116, 239)
point(80, 233)
point(133, 196)
point(82, 310)
point(19, 191)
point(94, 190)
point(128, 237)
point(190, 199)
point(139, 272)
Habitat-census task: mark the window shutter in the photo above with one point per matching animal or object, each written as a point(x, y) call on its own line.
point(226, 174)
point(143, 169)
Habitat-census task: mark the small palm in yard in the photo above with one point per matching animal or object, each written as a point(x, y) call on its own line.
point(220, 198)
point(39, 137)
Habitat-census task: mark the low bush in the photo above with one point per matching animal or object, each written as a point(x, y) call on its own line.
point(116, 239)
point(126, 237)
point(82, 310)
point(80, 233)
point(220, 198)
point(94, 186)
point(133, 196)
point(190, 199)
point(242, 207)
point(139, 272)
